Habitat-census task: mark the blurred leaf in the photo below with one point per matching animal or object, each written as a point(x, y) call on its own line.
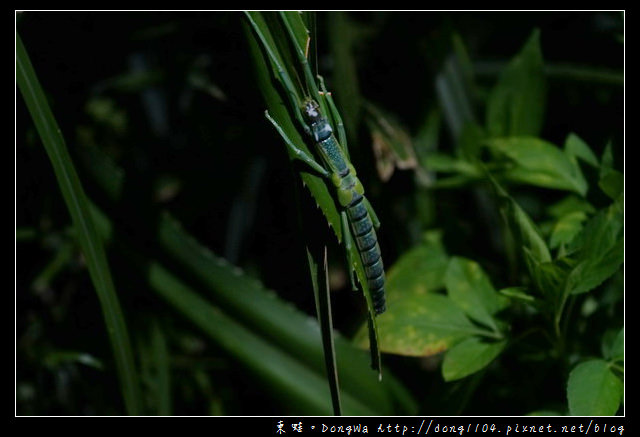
point(251, 305)
point(465, 172)
point(155, 369)
point(593, 390)
point(274, 341)
point(470, 288)
point(540, 163)
point(521, 225)
point(343, 35)
point(598, 249)
point(249, 302)
point(305, 389)
point(519, 293)
point(426, 141)
point(549, 277)
point(574, 145)
point(613, 347)
point(611, 181)
point(454, 88)
point(57, 358)
point(469, 356)
point(570, 204)
point(516, 103)
point(79, 209)
point(392, 145)
point(566, 228)
point(470, 141)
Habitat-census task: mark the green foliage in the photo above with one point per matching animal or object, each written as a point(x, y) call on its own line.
point(515, 106)
point(593, 389)
point(577, 250)
point(499, 186)
point(78, 206)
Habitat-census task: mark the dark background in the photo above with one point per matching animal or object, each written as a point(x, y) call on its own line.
point(210, 146)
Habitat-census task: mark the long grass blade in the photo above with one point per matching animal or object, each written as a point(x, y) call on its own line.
point(320, 279)
point(89, 240)
point(254, 307)
point(302, 386)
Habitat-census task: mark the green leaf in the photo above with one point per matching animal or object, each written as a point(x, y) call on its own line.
point(422, 325)
point(593, 390)
point(419, 322)
point(549, 277)
point(613, 345)
point(470, 141)
point(540, 163)
point(258, 309)
point(321, 291)
point(516, 104)
point(576, 146)
point(594, 269)
point(454, 88)
point(566, 228)
point(441, 162)
point(617, 349)
point(568, 204)
point(611, 181)
point(598, 249)
point(79, 209)
point(519, 293)
point(522, 226)
point(298, 29)
point(276, 343)
point(469, 356)
point(305, 389)
point(155, 368)
point(419, 270)
point(470, 288)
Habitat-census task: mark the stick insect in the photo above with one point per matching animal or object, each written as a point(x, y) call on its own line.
point(316, 115)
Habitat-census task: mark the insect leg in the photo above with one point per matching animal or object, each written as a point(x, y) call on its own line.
point(335, 116)
point(301, 54)
point(297, 153)
point(348, 244)
point(372, 214)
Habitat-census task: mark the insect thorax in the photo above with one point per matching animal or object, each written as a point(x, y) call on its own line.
point(319, 126)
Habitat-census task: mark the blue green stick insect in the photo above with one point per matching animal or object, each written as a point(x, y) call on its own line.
point(358, 220)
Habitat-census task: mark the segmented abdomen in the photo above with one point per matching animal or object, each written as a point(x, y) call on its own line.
point(351, 198)
point(369, 249)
